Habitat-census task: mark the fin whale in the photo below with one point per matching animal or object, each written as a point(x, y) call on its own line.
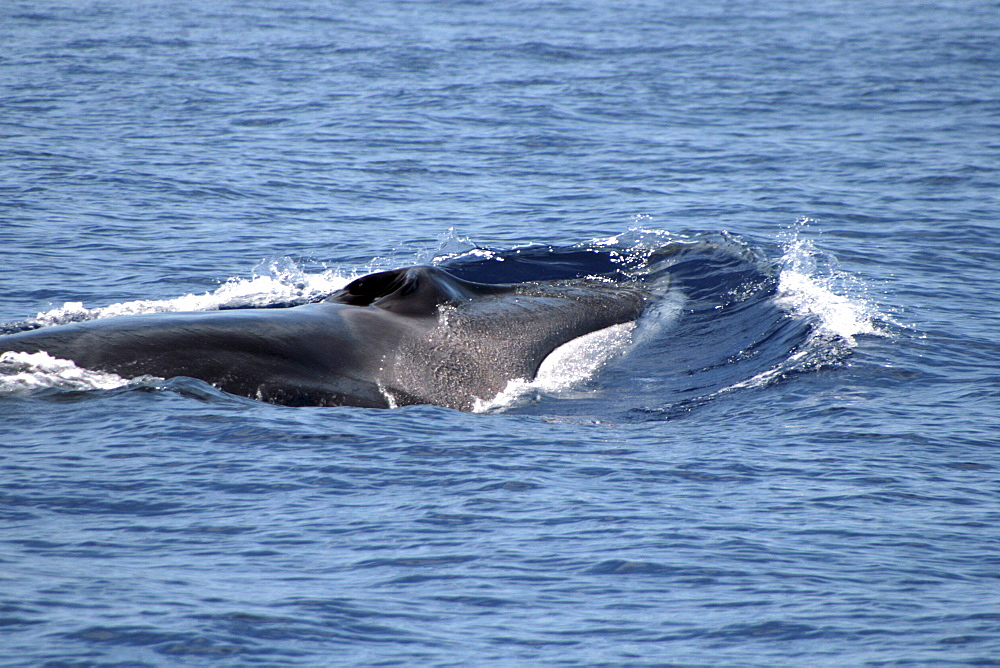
point(416, 335)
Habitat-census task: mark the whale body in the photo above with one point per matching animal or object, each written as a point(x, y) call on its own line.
point(416, 335)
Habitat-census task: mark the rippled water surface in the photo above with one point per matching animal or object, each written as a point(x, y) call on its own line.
point(792, 460)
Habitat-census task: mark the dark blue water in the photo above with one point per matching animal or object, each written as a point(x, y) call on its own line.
point(793, 462)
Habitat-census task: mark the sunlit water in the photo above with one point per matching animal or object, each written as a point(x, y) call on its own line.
point(790, 460)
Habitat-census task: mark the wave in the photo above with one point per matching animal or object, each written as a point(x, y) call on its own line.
point(21, 372)
point(284, 284)
point(730, 315)
point(736, 316)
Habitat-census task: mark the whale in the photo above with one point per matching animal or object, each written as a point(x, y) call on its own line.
point(414, 335)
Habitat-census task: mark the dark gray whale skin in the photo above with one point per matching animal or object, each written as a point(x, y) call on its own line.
point(409, 336)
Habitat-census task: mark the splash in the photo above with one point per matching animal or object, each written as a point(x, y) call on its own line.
point(24, 372)
point(450, 244)
point(808, 287)
point(272, 282)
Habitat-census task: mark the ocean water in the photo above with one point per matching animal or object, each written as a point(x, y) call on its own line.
point(792, 460)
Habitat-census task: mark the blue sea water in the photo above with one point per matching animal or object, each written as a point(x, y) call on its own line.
point(794, 462)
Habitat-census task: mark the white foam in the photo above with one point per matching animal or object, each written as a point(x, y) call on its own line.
point(23, 372)
point(809, 287)
point(284, 282)
point(807, 290)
